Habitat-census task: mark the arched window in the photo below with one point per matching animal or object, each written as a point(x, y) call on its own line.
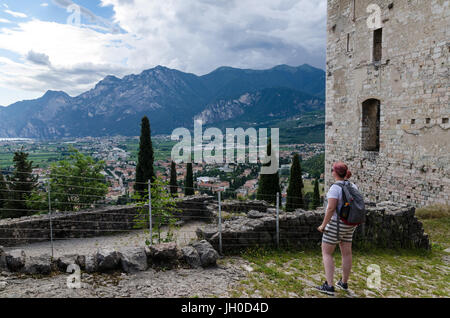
point(370, 139)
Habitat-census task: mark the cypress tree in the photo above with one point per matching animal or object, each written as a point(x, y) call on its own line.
point(269, 184)
point(173, 179)
point(294, 198)
point(307, 200)
point(22, 184)
point(144, 168)
point(316, 196)
point(189, 182)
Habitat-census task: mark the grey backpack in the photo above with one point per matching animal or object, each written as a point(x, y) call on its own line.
point(353, 210)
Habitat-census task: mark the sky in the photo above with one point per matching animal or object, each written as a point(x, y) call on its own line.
point(70, 45)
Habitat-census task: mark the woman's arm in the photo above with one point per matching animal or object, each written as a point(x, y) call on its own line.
point(331, 207)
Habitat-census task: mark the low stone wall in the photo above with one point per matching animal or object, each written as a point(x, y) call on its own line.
point(236, 206)
point(128, 260)
point(89, 223)
point(388, 225)
point(195, 208)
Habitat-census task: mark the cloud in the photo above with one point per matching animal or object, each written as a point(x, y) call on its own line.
point(80, 57)
point(4, 21)
point(38, 58)
point(16, 14)
point(69, 5)
point(39, 78)
point(192, 36)
point(198, 36)
point(45, 4)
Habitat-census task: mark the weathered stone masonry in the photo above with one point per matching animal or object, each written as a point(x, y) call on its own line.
point(388, 225)
point(251, 223)
point(87, 223)
point(389, 119)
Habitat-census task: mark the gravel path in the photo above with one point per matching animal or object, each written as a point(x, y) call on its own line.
point(210, 282)
point(179, 282)
point(85, 246)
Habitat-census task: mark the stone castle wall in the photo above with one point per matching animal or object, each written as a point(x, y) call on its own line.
point(411, 81)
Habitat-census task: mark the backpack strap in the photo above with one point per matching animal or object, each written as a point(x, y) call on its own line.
point(344, 198)
point(337, 227)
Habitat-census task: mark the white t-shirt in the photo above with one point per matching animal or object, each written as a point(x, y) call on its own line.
point(335, 192)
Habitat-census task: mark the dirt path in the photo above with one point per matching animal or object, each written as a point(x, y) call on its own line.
point(85, 246)
point(211, 282)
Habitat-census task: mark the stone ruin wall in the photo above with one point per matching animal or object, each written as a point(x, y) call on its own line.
point(91, 223)
point(388, 225)
point(412, 84)
point(248, 224)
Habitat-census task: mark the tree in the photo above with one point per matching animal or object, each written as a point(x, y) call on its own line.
point(316, 196)
point(144, 167)
point(77, 183)
point(269, 184)
point(189, 181)
point(22, 184)
point(173, 179)
point(294, 198)
point(307, 200)
point(164, 206)
point(315, 166)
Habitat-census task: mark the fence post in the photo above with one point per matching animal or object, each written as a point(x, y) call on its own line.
point(220, 224)
point(278, 220)
point(150, 211)
point(50, 215)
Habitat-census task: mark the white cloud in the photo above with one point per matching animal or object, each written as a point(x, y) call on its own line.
point(202, 35)
point(45, 4)
point(65, 44)
point(79, 57)
point(191, 36)
point(16, 14)
point(89, 15)
point(4, 21)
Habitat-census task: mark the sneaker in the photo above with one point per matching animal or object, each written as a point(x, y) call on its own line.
point(326, 289)
point(341, 285)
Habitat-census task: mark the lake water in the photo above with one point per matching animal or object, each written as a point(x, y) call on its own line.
point(16, 139)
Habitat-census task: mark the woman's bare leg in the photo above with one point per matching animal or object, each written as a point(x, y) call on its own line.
point(328, 261)
point(346, 251)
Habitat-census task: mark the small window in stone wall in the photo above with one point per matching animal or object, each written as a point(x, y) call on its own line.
point(428, 120)
point(377, 45)
point(399, 121)
point(413, 121)
point(370, 138)
point(445, 120)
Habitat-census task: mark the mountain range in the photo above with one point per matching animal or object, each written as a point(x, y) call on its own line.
point(171, 99)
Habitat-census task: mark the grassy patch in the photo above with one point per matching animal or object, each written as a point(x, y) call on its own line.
point(439, 232)
point(403, 273)
point(434, 212)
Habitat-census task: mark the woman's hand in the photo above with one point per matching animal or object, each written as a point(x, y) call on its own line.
point(321, 228)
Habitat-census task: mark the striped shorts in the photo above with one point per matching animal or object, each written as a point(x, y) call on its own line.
point(345, 232)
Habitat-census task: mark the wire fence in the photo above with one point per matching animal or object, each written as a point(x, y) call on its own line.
point(84, 211)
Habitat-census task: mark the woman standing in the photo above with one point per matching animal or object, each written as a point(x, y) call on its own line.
point(330, 239)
